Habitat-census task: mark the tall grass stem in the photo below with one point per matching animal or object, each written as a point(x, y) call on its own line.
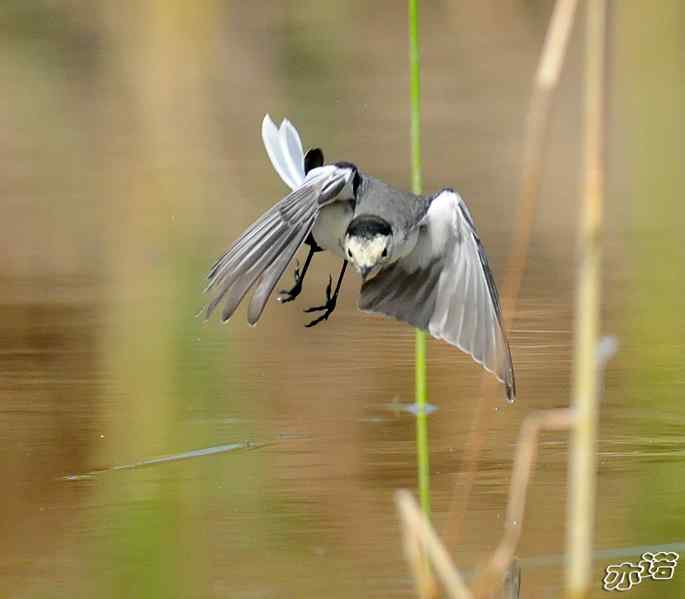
point(423, 459)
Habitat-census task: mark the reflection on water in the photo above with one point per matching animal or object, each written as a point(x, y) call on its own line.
point(126, 172)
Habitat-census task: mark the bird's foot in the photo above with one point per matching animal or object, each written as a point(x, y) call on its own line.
point(288, 295)
point(327, 308)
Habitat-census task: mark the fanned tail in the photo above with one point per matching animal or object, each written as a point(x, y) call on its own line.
point(284, 148)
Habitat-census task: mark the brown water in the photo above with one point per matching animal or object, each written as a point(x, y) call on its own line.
point(131, 159)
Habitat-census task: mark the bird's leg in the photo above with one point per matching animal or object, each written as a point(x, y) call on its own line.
point(331, 300)
point(288, 295)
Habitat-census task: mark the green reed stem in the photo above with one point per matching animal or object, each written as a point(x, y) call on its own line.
point(423, 461)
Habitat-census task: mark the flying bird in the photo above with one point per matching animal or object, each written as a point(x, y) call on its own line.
point(420, 258)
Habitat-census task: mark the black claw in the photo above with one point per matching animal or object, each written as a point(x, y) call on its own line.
point(327, 308)
point(288, 295)
point(315, 309)
point(328, 311)
point(313, 323)
point(331, 299)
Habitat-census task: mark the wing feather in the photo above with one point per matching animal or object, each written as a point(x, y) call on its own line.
point(272, 275)
point(263, 252)
point(263, 233)
point(240, 284)
point(445, 287)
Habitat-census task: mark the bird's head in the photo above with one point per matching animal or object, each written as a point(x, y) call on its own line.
point(368, 244)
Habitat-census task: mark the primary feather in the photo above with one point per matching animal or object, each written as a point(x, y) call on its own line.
point(263, 252)
point(445, 286)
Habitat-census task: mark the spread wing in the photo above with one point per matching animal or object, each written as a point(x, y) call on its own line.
point(261, 254)
point(445, 287)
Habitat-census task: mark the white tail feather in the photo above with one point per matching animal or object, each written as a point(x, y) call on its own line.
point(284, 148)
point(292, 149)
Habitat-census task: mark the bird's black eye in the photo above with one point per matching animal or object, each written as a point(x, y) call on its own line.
point(385, 253)
point(349, 253)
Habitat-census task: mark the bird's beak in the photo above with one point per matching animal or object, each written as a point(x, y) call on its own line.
point(365, 270)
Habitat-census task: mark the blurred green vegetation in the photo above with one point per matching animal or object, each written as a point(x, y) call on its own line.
point(649, 96)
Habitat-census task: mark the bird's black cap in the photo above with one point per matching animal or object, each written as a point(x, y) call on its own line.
point(368, 226)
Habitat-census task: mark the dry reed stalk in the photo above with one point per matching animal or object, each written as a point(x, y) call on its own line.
point(524, 461)
point(582, 458)
point(420, 542)
point(537, 124)
point(502, 566)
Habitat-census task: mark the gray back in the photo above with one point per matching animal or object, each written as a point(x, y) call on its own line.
point(402, 209)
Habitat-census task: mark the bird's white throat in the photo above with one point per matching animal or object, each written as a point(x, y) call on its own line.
point(366, 252)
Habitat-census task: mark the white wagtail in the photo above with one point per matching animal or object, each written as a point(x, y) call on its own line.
point(420, 257)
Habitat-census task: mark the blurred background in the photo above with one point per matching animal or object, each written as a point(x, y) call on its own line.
point(131, 158)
